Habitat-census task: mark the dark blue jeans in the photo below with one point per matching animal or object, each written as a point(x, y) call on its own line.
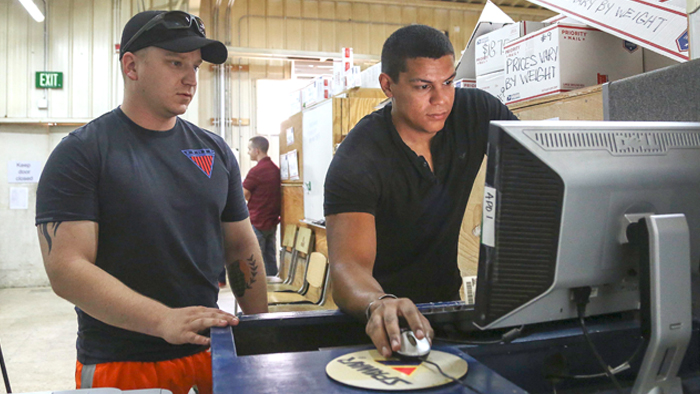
point(268, 243)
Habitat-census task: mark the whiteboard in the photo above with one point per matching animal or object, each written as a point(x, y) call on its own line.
point(317, 145)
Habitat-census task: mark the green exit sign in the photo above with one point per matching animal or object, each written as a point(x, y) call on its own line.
point(49, 80)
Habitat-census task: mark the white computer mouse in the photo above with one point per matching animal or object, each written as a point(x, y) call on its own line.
point(412, 347)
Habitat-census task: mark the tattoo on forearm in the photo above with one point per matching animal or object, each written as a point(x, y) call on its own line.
point(45, 231)
point(242, 274)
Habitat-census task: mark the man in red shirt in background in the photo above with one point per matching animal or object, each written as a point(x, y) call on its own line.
point(262, 191)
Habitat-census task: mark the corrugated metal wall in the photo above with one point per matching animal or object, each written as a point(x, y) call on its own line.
point(81, 44)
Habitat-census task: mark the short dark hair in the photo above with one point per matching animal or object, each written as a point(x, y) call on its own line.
point(260, 143)
point(410, 42)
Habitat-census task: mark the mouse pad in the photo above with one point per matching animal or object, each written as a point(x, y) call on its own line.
point(368, 369)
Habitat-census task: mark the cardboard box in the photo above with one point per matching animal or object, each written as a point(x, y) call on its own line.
point(563, 19)
point(319, 89)
point(660, 26)
point(493, 83)
point(491, 18)
point(294, 102)
point(370, 77)
point(309, 95)
point(489, 47)
point(465, 83)
point(338, 77)
point(353, 78)
point(562, 57)
point(324, 87)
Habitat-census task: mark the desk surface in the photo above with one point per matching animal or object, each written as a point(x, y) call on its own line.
point(304, 372)
point(279, 352)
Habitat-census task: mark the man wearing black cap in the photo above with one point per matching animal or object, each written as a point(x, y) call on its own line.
point(138, 211)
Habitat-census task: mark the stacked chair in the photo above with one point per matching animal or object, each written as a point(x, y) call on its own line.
point(309, 288)
point(314, 287)
point(299, 258)
point(316, 298)
point(286, 256)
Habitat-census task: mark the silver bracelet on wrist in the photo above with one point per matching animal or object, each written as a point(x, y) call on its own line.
point(381, 297)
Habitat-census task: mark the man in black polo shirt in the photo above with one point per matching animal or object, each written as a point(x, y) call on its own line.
point(397, 188)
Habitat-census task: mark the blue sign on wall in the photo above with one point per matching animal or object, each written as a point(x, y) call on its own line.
point(682, 42)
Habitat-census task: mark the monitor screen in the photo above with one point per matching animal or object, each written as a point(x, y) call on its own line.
point(558, 198)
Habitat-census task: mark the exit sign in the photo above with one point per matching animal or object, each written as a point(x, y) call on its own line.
point(49, 80)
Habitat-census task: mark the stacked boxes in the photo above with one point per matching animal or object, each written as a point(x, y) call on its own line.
point(489, 60)
point(489, 47)
point(492, 83)
point(320, 89)
point(563, 57)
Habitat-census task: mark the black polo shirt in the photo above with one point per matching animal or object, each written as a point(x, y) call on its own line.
point(418, 213)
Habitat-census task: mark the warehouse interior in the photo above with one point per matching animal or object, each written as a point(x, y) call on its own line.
point(302, 74)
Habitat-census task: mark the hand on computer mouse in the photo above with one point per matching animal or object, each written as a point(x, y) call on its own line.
point(412, 347)
point(383, 324)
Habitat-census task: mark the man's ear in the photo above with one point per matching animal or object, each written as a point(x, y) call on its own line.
point(129, 66)
point(385, 82)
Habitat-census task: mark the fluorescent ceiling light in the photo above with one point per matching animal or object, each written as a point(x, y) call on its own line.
point(32, 10)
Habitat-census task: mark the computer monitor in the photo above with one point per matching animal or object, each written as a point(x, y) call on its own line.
point(555, 202)
point(559, 197)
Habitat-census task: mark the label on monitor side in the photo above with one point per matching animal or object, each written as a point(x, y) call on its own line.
point(488, 217)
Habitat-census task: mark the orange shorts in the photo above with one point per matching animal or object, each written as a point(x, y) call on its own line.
point(178, 375)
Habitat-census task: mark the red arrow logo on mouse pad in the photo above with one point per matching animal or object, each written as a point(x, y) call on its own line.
point(405, 367)
point(405, 370)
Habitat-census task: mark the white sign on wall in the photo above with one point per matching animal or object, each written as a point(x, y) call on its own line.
point(19, 198)
point(23, 171)
point(293, 163)
point(290, 136)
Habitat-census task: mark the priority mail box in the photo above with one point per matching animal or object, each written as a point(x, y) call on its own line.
point(491, 18)
point(294, 102)
point(309, 95)
point(320, 89)
point(369, 78)
point(324, 87)
point(489, 47)
point(561, 19)
point(492, 83)
point(465, 83)
point(563, 57)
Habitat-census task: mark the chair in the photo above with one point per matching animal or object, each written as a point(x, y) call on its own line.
point(286, 256)
point(316, 285)
point(299, 263)
point(327, 304)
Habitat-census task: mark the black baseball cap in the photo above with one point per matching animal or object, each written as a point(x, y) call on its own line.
point(176, 40)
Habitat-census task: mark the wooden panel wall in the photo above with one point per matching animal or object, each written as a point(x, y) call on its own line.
point(328, 25)
point(580, 104)
point(295, 123)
